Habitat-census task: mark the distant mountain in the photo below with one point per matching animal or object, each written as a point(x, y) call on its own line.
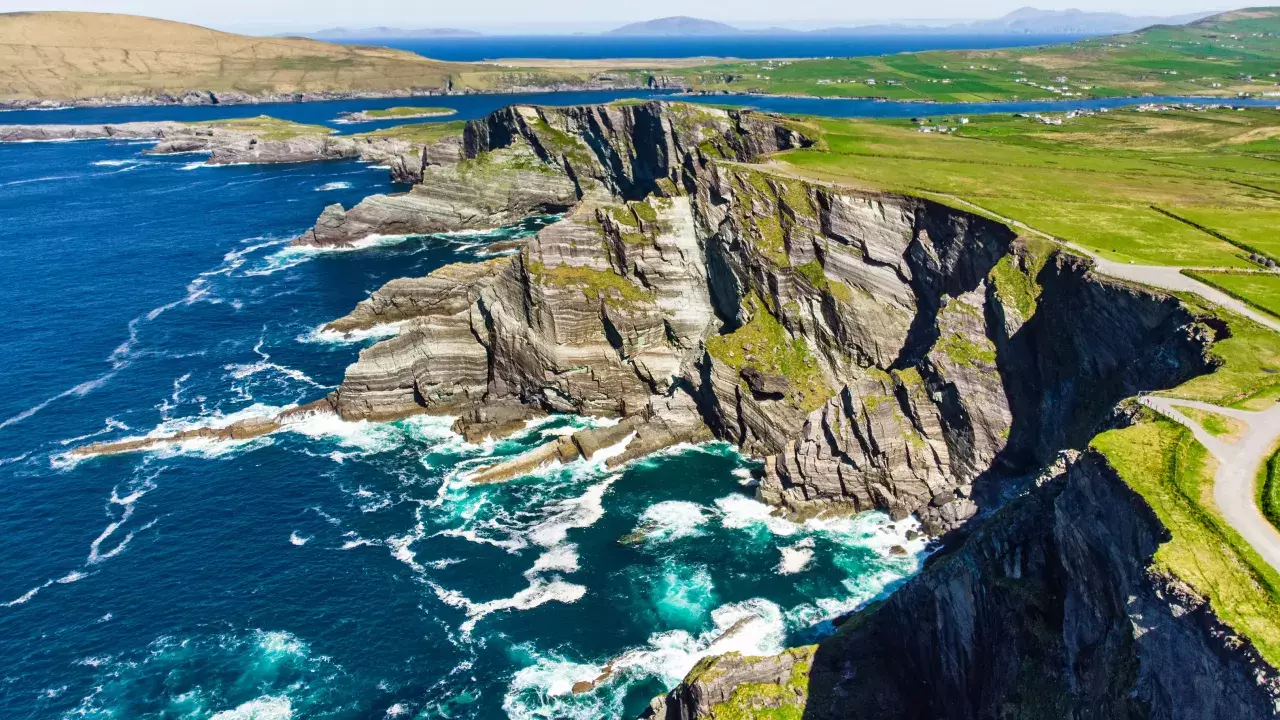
point(1024, 21)
point(385, 33)
point(1029, 21)
point(676, 26)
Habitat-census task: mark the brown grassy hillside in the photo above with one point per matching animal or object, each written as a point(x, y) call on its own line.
point(68, 55)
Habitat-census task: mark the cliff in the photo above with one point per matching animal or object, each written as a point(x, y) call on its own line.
point(881, 352)
point(1048, 610)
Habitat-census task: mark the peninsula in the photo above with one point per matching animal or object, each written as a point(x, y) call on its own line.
point(947, 325)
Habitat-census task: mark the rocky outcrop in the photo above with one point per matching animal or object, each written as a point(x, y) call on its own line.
point(258, 140)
point(471, 195)
point(1048, 610)
point(523, 160)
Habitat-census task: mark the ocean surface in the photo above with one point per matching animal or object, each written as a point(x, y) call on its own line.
point(338, 570)
point(746, 46)
point(469, 107)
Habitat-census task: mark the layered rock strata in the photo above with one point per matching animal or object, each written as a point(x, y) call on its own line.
point(879, 351)
point(232, 144)
point(864, 344)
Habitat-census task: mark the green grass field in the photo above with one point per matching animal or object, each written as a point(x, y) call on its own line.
point(406, 111)
point(1161, 461)
point(1163, 188)
point(424, 133)
point(1260, 290)
point(1225, 55)
point(1218, 425)
point(267, 127)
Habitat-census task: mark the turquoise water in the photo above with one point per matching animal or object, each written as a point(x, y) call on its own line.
point(338, 570)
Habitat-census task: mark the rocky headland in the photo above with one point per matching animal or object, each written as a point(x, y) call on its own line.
point(878, 351)
point(249, 140)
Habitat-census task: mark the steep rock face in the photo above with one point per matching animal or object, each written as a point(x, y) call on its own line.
point(881, 352)
point(472, 195)
point(1047, 610)
point(522, 160)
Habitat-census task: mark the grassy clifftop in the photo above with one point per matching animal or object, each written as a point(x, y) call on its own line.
point(73, 55)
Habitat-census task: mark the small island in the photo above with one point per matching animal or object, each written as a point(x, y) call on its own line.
point(395, 113)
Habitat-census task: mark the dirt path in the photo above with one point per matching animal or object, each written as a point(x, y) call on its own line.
point(1238, 466)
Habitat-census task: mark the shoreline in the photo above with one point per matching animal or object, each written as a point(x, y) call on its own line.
point(210, 99)
point(207, 98)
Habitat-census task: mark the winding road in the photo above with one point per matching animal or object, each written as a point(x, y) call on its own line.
point(1238, 466)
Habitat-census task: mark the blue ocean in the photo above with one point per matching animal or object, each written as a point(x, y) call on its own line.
point(340, 570)
point(746, 45)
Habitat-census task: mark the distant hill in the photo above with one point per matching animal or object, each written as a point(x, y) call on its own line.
point(1024, 21)
point(1029, 21)
point(387, 33)
point(73, 56)
point(676, 26)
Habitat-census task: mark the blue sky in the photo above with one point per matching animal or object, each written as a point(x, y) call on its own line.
point(511, 16)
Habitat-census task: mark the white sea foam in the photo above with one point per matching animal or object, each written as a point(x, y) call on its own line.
point(580, 512)
point(334, 186)
point(268, 707)
point(26, 597)
point(195, 165)
point(320, 334)
point(561, 558)
point(673, 520)
point(539, 592)
point(796, 557)
point(115, 163)
point(545, 688)
point(742, 512)
point(298, 540)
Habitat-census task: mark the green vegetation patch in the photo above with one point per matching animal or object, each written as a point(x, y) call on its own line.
point(1164, 464)
point(766, 344)
point(1259, 290)
point(598, 285)
point(422, 133)
point(770, 701)
point(1249, 374)
point(817, 276)
point(1216, 424)
point(267, 127)
point(1268, 486)
point(406, 111)
point(1123, 233)
point(1225, 55)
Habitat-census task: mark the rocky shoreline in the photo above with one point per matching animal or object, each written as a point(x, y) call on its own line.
point(235, 143)
point(207, 97)
point(878, 351)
